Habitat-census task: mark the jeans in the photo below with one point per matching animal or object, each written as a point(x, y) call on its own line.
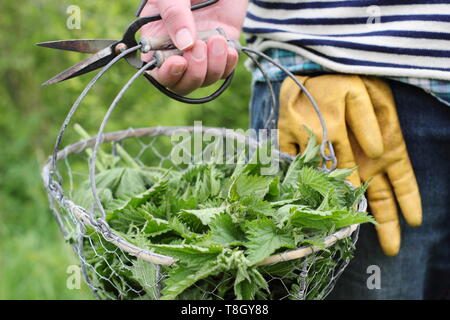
point(422, 268)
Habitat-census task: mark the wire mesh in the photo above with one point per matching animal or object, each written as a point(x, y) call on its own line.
point(116, 267)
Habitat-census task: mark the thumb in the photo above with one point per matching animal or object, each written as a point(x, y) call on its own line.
point(179, 22)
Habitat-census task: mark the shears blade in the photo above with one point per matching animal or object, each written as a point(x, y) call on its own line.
point(97, 60)
point(83, 46)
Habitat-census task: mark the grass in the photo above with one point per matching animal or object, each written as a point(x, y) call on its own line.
point(33, 256)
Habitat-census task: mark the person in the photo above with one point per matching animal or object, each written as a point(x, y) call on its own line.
point(380, 72)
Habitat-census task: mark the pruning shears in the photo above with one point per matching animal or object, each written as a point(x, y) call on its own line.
point(105, 51)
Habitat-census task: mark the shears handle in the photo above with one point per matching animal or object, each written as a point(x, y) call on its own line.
point(161, 55)
point(164, 47)
point(164, 42)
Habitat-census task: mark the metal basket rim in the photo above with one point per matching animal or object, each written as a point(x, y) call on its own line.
point(56, 192)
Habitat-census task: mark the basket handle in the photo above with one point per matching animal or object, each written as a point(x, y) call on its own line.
point(327, 157)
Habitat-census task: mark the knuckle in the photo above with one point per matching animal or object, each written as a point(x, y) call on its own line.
point(171, 13)
point(195, 79)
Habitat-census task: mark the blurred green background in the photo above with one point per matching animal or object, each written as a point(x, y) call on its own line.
point(33, 255)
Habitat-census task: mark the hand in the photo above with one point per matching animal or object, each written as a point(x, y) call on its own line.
point(362, 121)
point(202, 63)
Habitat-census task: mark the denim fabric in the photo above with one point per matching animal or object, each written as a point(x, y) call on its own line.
point(422, 268)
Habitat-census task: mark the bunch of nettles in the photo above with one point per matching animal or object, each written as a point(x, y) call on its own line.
point(220, 222)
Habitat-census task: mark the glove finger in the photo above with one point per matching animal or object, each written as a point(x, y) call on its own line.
point(291, 132)
point(361, 118)
point(289, 148)
point(401, 175)
point(384, 209)
point(346, 160)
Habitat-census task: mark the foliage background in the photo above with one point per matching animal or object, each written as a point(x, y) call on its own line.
point(33, 255)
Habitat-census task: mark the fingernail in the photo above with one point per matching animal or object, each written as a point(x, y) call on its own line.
point(199, 53)
point(184, 39)
point(178, 69)
point(218, 48)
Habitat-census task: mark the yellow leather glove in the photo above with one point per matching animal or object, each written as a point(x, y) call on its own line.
point(363, 125)
point(345, 104)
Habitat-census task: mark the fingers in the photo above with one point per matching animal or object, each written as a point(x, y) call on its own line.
point(384, 209)
point(289, 147)
point(179, 22)
point(232, 61)
point(196, 71)
point(201, 66)
point(171, 71)
point(218, 56)
point(346, 160)
point(361, 118)
point(404, 181)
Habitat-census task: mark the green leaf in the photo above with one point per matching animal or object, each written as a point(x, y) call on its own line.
point(248, 283)
point(341, 174)
point(132, 181)
point(326, 220)
point(179, 227)
point(264, 238)
point(315, 179)
point(189, 254)
point(204, 215)
point(146, 274)
point(312, 148)
point(275, 187)
point(284, 213)
point(184, 276)
point(225, 232)
point(155, 193)
point(357, 194)
point(154, 226)
point(251, 186)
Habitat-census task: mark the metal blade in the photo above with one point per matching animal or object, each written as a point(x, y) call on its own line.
point(89, 64)
point(84, 46)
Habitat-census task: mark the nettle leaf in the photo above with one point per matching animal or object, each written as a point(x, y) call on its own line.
point(154, 226)
point(264, 238)
point(353, 217)
point(107, 181)
point(355, 195)
point(204, 215)
point(248, 283)
point(326, 220)
point(250, 186)
point(155, 193)
point(315, 179)
point(310, 157)
point(188, 254)
point(110, 178)
point(220, 221)
point(133, 181)
point(147, 275)
point(284, 213)
point(184, 276)
point(182, 229)
point(226, 232)
point(281, 203)
point(248, 280)
point(256, 206)
point(341, 174)
point(275, 187)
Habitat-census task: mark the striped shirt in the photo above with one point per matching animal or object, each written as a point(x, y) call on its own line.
point(408, 40)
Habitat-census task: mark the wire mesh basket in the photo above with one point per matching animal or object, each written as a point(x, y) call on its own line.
point(115, 267)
